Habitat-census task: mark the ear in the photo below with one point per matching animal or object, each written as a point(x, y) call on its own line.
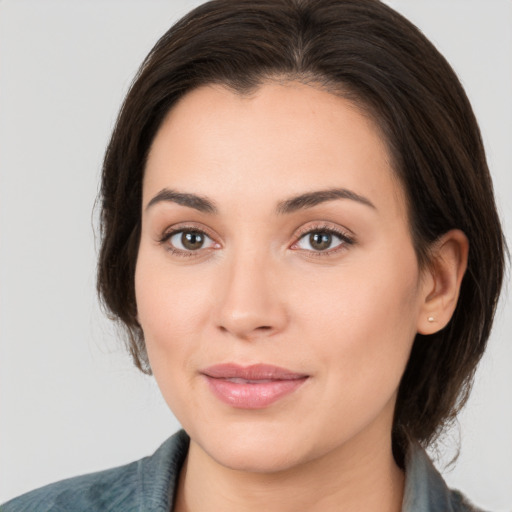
point(441, 282)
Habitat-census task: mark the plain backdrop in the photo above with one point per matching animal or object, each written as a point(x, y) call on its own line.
point(70, 401)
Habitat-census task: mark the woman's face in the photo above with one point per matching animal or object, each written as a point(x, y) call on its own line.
point(276, 283)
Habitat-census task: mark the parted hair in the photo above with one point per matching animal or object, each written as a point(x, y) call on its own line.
point(366, 52)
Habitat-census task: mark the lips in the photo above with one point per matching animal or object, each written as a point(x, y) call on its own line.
point(252, 387)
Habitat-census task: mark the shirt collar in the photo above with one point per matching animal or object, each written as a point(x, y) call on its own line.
point(425, 489)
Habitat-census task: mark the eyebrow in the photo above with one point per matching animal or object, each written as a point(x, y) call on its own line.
point(300, 202)
point(310, 199)
point(199, 203)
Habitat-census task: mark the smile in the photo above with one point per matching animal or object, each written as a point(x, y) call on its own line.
point(251, 387)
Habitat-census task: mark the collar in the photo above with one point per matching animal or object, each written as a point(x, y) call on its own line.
point(425, 489)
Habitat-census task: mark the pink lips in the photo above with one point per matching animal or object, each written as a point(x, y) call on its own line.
point(251, 387)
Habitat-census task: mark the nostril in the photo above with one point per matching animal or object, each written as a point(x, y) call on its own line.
point(247, 332)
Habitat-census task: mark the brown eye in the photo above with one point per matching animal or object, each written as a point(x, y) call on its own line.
point(320, 241)
point(190, 240)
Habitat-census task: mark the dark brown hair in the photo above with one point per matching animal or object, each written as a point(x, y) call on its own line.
point(366, 52)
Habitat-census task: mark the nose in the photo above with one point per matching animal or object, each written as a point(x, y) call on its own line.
point(251, 302)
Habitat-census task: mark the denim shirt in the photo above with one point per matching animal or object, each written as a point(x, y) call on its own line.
point(149, 485)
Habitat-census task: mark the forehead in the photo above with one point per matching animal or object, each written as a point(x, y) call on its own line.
point(281, 140)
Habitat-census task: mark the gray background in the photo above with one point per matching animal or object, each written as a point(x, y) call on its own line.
point(70, 400)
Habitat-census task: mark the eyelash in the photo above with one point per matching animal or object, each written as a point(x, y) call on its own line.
point(346, 240)
point(164, 239)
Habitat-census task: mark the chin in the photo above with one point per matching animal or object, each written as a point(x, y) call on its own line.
point(263, 446)
point(252, 458)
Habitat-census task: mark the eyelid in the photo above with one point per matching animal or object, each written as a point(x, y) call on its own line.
point(170, 231)
point(324, 226)
point(344, 234)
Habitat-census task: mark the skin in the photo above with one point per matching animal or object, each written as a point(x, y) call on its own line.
point(257, 291)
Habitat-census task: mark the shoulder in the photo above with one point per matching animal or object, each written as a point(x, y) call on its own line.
point(461, 504)
point(104, 490)
point(425, 488)
point(146, 484)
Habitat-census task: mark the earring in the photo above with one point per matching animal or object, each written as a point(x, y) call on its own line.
point(431, 319)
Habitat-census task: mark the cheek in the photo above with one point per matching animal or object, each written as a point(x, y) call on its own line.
point(360, 328)
point(171, 311)
point(172, 308)
point(363, 319)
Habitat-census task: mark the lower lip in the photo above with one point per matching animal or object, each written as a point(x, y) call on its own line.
point(252, 395)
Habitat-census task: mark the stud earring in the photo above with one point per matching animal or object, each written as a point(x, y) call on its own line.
point(431, 319)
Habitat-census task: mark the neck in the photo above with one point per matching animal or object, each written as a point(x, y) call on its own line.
point(350, 478)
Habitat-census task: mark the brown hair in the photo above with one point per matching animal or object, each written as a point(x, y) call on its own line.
point(364, 51)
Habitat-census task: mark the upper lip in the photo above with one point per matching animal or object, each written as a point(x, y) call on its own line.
point(252, 372)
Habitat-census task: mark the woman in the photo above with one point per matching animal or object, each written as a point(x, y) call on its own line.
point(299, 234)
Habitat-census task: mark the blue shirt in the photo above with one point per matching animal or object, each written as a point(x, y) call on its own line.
point(149, 485)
